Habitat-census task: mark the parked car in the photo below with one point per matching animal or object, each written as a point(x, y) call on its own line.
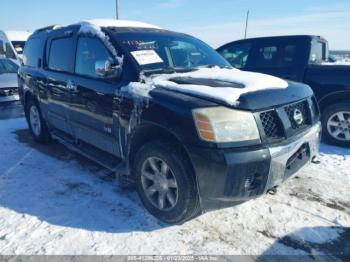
point(168, 112)
point(6, 47)
point(8, 80)
point(18, 40)
point(303, 59)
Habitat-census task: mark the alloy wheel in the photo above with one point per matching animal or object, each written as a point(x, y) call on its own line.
point(159, 184)
point(34, 119)
point(338, 126)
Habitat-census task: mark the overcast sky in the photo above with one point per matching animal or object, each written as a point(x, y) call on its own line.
point(216, 22)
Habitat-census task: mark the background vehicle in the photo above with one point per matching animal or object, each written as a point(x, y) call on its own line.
point(18, 40)
point(303, 59)
point(168, 112)
point(6, 48)
point(8, 80)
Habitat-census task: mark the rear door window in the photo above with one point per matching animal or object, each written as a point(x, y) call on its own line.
point(32, 52)
point(280, 55)
point(61, 54)
point(237, 54)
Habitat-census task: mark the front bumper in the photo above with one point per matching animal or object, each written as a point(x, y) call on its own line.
point(9, 94)
point(227, 177)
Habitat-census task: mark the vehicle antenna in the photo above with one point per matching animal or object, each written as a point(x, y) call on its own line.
point(117, 9)
point(246, 24)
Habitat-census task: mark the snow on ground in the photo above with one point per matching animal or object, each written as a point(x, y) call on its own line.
point(55, 202)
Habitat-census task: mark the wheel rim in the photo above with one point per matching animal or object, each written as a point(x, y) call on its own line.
point(159, 184)
point(34, 118)
point(338, 126)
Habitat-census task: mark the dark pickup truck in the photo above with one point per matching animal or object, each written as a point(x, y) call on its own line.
point(168, 112)
point(302, 59)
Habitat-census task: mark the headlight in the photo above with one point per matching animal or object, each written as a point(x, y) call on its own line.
point(222, 125)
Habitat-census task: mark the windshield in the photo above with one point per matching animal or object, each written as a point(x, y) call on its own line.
point(7, 67)
point(170, 52)
point(19, 46)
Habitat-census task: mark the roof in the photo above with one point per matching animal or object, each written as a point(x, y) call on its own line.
point(18, 35)
point(119, 23)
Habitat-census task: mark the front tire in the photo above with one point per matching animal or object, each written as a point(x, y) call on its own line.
point(165, 184)
point(36, 123)
point(336, 124)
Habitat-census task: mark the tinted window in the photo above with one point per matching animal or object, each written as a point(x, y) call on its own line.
point(289, 55)
point(6, 50)
point(237, 55)
point(2, 47)
point(89, 51)
point(9, 51)
point(267, 57)
point(274, 56)
point(32, 53)
point(61, 54)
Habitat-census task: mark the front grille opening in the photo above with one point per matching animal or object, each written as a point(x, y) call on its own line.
point(272, 125)
point(303, 108)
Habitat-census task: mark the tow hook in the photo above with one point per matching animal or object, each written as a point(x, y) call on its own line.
point(272, 191)
point(315, 161)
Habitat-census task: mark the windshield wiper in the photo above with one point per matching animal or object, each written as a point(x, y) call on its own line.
point(213, 65)
point(169, 70)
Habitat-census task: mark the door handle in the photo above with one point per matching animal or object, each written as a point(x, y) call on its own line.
point(72, 87)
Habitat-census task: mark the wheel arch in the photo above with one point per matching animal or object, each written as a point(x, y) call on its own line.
point(151, 132)
point(334, 98)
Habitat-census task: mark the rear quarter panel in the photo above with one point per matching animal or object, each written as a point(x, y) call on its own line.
point(328, 80)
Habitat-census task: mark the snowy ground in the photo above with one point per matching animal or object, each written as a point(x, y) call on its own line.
point(55, 202)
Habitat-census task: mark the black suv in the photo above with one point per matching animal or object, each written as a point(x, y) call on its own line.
point(168, 113)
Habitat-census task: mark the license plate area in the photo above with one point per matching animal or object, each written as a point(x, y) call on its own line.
point(298, 160)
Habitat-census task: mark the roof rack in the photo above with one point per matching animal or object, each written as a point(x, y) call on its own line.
point(47, 28)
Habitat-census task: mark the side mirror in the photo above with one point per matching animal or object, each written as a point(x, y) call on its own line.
point(104, 69)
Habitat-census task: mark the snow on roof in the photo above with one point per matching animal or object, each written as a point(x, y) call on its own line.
point(119, 23)
point(18, 35)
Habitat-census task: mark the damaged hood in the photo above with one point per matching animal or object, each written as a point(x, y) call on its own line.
point(8, 80)
point(228, 87)
point(234, 88)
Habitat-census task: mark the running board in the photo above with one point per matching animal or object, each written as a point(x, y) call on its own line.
point(104, 159)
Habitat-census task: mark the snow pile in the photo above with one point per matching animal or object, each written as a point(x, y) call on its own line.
point(50, 198)
point(120, 23)
point(250, 81)
point(342, 62)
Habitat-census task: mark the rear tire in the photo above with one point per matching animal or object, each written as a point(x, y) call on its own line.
point(336, 124)
point(36, 123)
point(176, 185)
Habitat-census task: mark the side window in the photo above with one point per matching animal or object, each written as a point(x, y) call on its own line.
point(89, 51)
point(267, 57)
point(2, 47)
point(32, 52)
point(61, 54)
point(10, 52)
point(237, 55)
point(289, 55)
point(318, 52)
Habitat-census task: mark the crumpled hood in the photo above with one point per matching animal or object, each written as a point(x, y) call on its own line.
point(8, 80)
point(226, 85)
